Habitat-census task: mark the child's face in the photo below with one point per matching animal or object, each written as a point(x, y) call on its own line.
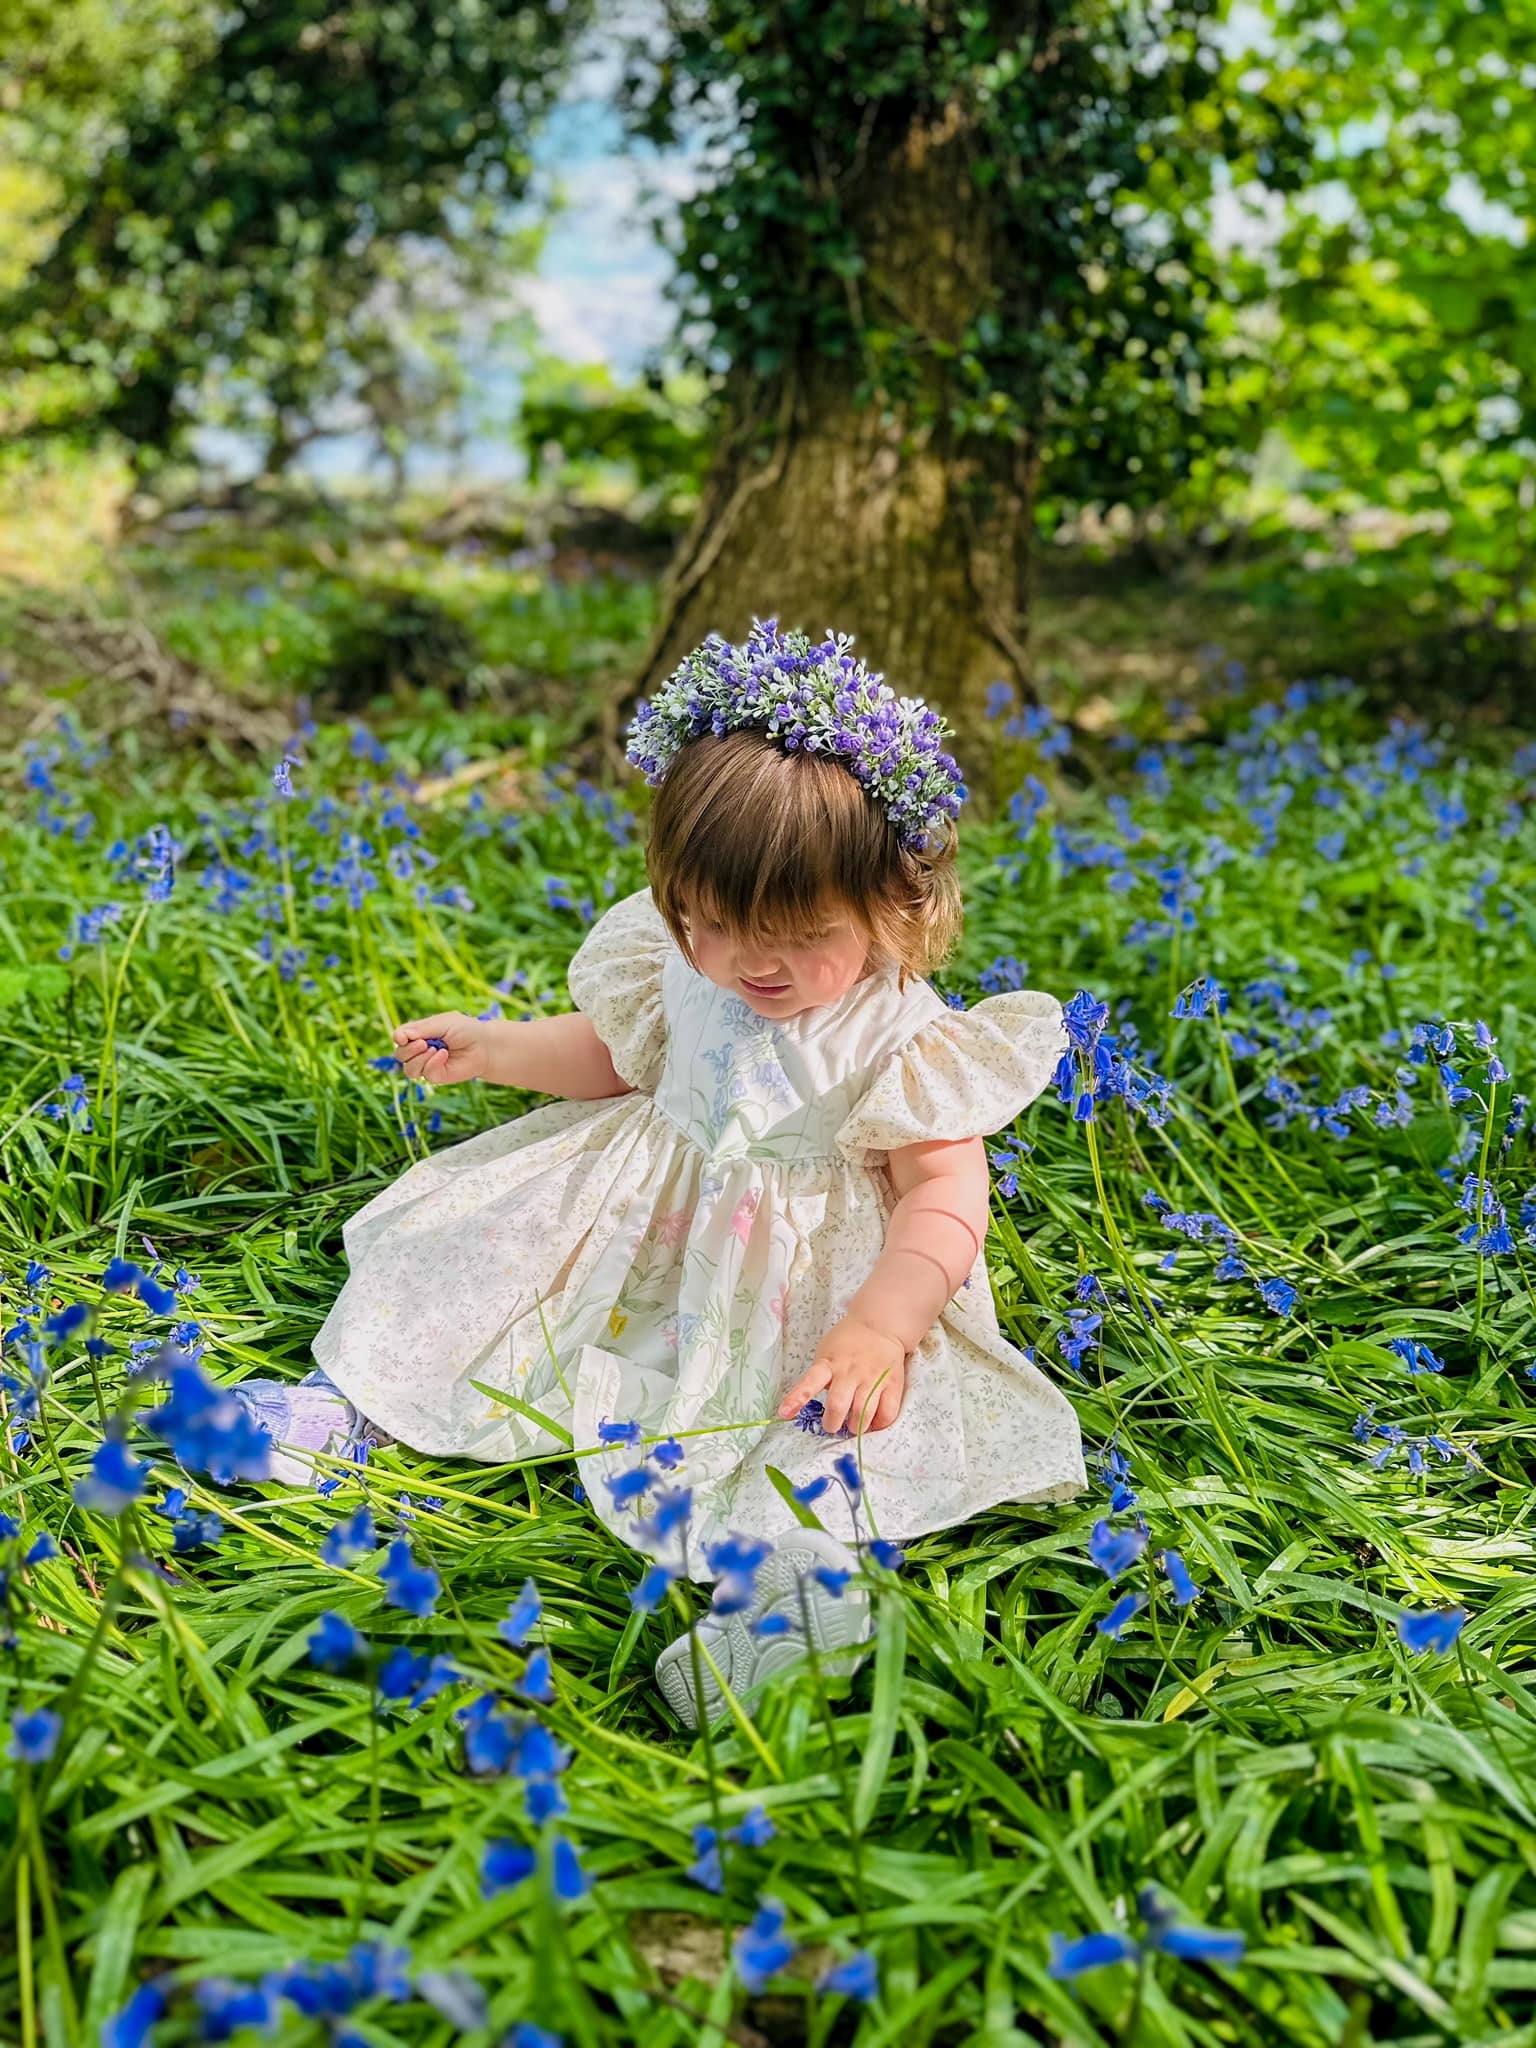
point(781, 980)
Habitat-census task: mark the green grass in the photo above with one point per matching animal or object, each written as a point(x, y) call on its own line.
point(1270, 1756)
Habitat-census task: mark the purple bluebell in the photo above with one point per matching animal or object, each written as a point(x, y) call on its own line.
point(35, 1735)
point(1279, 1296)
point(707, 1870)
point(503, 1865)
point(762, 1949)
point(116, 1479)
point(1434, 1629)
point(408, 1585)
point(628, 1433)
point(1125, 1609)
point(1115, 1550)
point(627, 1487)
point(858, 1976)
point(228, 2007)
point(345, 1542)
point(1071, 1959)
point(1184, 1588)
point(812, 697)
point(195, 1531)
point(1173, 1937)
point(333, 1644)
point(846, 1466)
point(522, 1617)
point(130, 2026)
point(653, 1588)
point(569, 1880)
point(537, 1681)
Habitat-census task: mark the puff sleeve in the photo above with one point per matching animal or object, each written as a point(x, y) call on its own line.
point(966, 1075)
point(615, 980)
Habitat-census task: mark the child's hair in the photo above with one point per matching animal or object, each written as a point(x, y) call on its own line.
point(767, 842)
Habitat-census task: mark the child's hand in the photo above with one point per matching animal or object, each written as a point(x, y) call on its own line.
point(860, 1375)
point(460, 1057)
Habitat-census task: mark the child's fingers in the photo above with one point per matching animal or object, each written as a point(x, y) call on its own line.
point(805, 1389)
point(442, 1025)
point(840, 1402)
point(888, 1407)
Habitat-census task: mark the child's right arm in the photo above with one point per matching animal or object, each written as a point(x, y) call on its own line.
point(545, 1055)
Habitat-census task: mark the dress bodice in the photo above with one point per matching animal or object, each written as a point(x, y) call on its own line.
point(742, 1086)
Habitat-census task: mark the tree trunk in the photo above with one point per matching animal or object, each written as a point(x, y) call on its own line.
point(827, 509)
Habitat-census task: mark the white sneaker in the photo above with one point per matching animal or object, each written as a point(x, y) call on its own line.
point(310, 1415)
point(788, 1592)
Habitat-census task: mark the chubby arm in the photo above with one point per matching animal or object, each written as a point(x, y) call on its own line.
point(544, 1056)
point(935, 1232)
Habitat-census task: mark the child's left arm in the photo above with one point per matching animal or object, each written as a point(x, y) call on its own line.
point(935, 1233)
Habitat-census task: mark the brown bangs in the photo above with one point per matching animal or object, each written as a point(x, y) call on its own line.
point(775, 846)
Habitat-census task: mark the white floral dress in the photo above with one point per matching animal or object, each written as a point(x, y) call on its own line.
point(676, 1254)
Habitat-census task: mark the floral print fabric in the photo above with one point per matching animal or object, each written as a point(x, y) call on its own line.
point(675, 1255)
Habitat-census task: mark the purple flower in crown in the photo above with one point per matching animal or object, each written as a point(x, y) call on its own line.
point(811, 697)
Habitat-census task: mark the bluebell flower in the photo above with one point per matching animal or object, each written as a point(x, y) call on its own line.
point(1070, 1959)
point(503, 1865)
point(208, 1428)
point(43, 1549)
point(670, 1508)
point(570, 1881)
point(832, 1579)
point(537, 1681)
point(1204, 997)
point(282, 778)
point(400, 1674)
point(846, 1466)
point(489, 1744)
point(526, 2035)
point(1125, 1609)
point(174, 1504)
point(856, 1977)
point(1434, 1629)
point(1184, 1588)
point(811, 1492)
point(130, 2026)
point(160, 1301)
point(1279, 1296)
point(37, 1276)
point(334, 1644)
point(35, 1736)
point(406, 1583)
point(10, 1528)
point(1089, 1287)
point(228, 2007)
point(345, 1542)
point(1170, 1937)
point(627, 1487)
point(63, 1325)
point(668, 1454)
point(754, 1830)
point(890, 1556)
point(618, 1432)
point(652, 1589)
point(544, 1800)
point(522, 1617)
point(194, 1531)
point(707, 1869)
point(1115, 1550)
point(762, 1949)
point(116, 1479)
point(770, 1625)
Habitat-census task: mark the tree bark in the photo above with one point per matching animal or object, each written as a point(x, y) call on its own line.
point(826, 508)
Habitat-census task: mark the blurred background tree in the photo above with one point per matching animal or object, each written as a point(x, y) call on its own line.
point(946, 259)
point(247, 227)
point(1217, 288)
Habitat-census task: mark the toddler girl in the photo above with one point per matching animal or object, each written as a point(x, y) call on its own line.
point(754, 1225)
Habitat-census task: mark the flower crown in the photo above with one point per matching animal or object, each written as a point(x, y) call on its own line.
point(815, 697)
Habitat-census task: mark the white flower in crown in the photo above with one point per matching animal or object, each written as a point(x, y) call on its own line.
point(810, 696)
